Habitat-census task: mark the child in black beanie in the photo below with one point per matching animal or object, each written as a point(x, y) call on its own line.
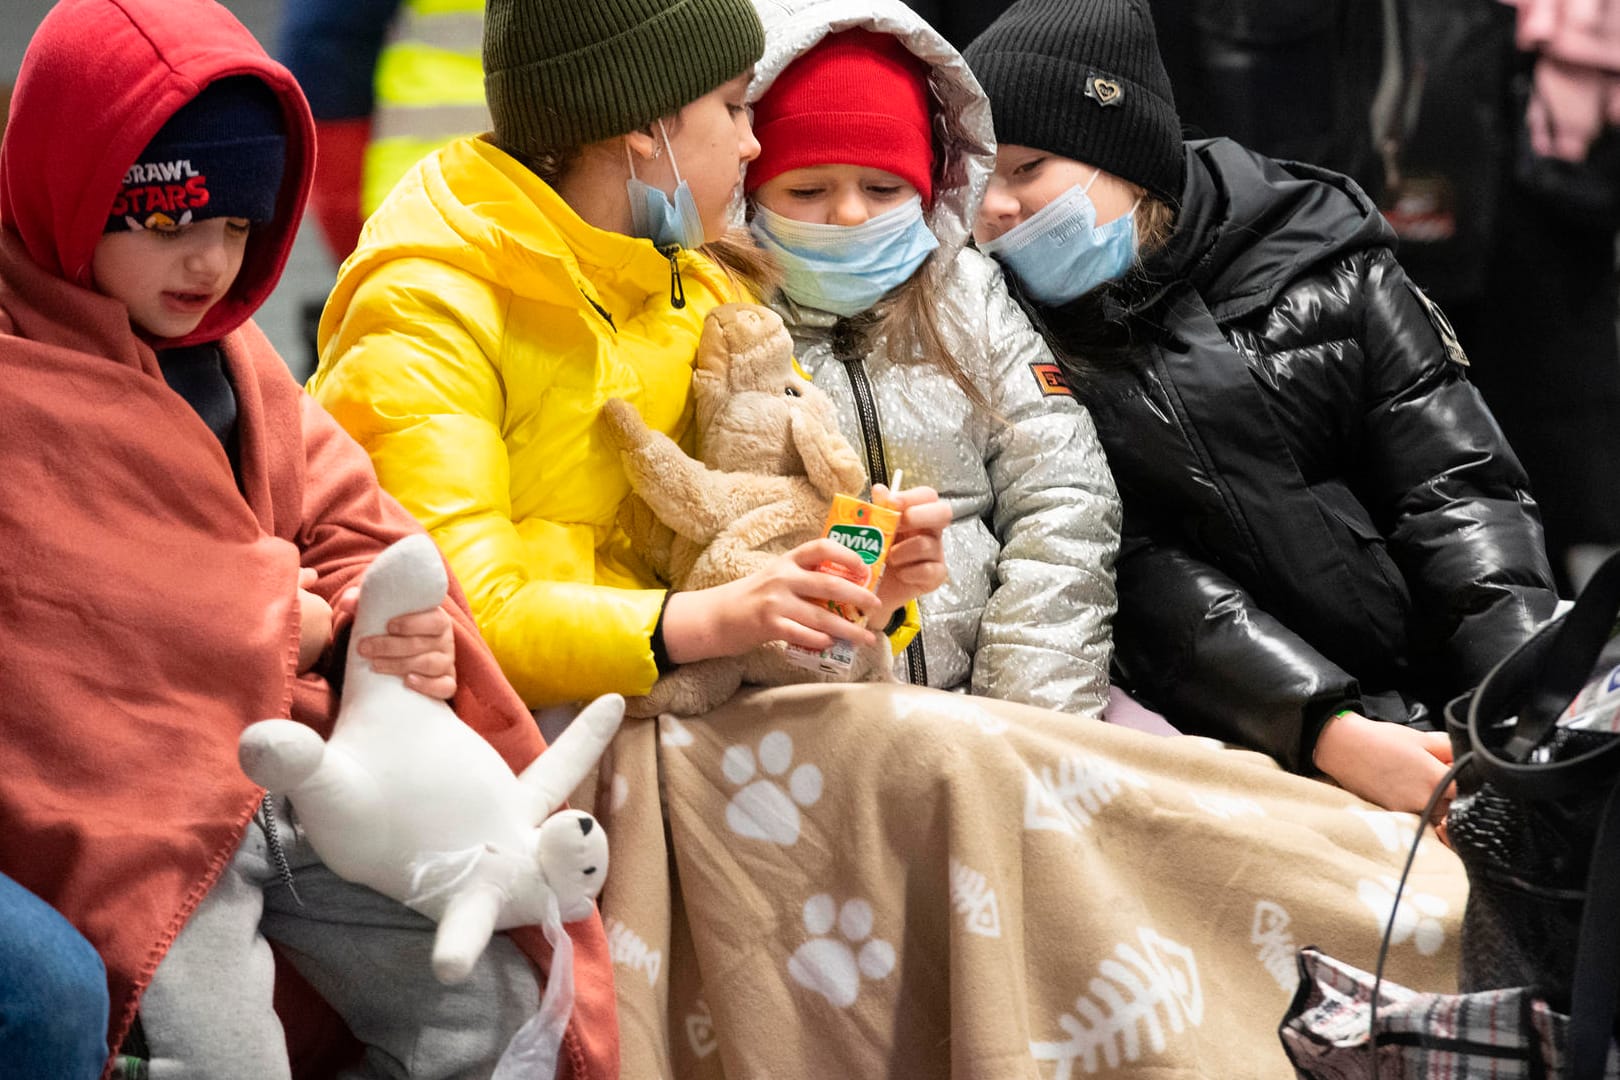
point(1326, 535)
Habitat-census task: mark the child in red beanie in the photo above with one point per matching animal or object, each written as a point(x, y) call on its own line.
point(874, 151)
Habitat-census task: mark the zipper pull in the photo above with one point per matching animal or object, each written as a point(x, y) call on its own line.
point(677, 288)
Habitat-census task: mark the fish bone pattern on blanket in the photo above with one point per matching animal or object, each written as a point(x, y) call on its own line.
point(893, 881)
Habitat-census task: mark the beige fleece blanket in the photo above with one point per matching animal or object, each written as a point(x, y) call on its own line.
point(885, 881)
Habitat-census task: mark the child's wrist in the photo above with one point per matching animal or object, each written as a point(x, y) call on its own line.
point(1330, 738)
point(692, 626)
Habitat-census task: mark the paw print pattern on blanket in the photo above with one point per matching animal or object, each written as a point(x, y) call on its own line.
point(1418, 917)
point(762, 809)
point(830, 965)
point(1396, 832)
point(674, 734)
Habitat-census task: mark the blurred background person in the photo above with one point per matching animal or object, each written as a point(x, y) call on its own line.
point(389, 82)
point(1424, 103)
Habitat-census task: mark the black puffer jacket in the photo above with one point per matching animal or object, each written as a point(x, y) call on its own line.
point(1320, 512)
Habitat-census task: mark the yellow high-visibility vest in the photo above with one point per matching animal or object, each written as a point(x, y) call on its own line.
point(429, 89)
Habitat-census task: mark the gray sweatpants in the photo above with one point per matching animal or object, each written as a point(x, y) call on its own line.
point(207, 1014)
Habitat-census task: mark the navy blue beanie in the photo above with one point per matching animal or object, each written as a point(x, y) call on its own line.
point(222, 154)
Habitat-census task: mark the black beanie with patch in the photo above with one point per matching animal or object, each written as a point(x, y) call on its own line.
point(1084, 79)
point(222, 154)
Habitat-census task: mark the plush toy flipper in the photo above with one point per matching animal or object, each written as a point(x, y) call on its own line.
point(279, 755)
point(465, 928)
point(558, 771)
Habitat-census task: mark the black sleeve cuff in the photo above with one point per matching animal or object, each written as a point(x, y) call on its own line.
point(661, 654)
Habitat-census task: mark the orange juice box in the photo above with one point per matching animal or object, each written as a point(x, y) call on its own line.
point(868, 530)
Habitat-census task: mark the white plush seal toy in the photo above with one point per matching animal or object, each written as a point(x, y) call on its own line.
point(407, 799)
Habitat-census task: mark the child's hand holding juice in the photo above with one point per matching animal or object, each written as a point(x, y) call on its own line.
point(868, 530)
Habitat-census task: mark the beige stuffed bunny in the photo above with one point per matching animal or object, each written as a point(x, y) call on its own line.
point(771, 460)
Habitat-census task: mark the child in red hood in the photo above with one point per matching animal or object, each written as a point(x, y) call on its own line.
point(180, 521)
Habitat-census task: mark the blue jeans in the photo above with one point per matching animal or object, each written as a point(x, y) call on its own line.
point(53, 992)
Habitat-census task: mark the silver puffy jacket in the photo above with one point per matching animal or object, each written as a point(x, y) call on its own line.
point(1027, 611)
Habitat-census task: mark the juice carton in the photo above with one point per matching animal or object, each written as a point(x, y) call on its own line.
point(868, 530)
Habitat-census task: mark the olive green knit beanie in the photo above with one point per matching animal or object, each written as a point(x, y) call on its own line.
point(562, 73)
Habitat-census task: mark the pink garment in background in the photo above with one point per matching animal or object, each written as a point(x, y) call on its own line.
point(1577, 77)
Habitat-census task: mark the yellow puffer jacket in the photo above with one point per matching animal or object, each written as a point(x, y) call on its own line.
point(468, 346)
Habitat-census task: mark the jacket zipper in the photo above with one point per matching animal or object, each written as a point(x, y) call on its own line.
point(844, 349)
point(677, 287)
point(602, 311)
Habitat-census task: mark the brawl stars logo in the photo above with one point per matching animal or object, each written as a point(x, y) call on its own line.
point(160, 194)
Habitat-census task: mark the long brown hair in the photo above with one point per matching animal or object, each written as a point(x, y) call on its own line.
point(909, 322)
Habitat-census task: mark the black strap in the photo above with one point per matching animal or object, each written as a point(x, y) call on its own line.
point(1373, 1040)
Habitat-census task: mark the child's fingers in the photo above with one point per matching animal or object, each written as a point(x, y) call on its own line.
point(811, 586)
point(435, 621)
point(904, 499)
point(812, 553)
point(930, 517)
point(307, 577)
point(922, 547)
point(440, 687)
point(813, 626)
point(428, 664)
point(347, 600)
point(381, 646)
point(1437, 743)
point(923, 577)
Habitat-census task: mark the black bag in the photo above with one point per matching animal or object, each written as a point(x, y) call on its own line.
point(1536, 824)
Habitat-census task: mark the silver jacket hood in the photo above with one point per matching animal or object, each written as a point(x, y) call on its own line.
point(1027, 613)
point(962, 128)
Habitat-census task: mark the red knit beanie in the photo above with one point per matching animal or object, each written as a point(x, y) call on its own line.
point(856, 98)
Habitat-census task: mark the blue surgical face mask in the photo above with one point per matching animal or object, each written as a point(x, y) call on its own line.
point(653, 216)
point(845, 269)
point(1060, 252)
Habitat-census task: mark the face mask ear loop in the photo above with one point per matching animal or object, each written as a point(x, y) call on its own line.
point(1096, 171)
point(676, 168)
point(629, 159)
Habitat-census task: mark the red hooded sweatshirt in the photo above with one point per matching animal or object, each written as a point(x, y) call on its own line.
point(148, 605)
